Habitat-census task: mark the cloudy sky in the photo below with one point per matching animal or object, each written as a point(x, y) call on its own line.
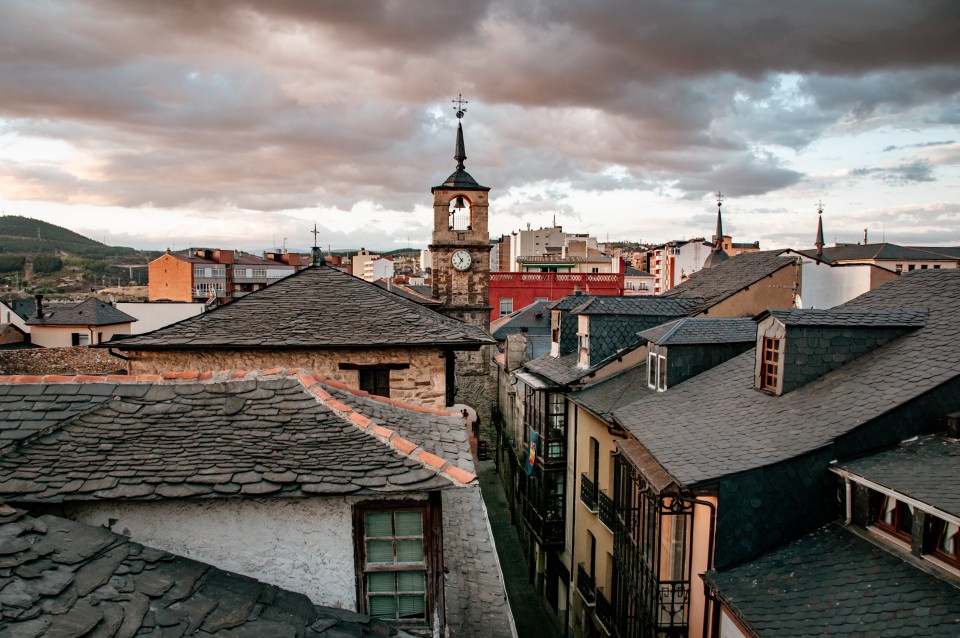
point(241, 125)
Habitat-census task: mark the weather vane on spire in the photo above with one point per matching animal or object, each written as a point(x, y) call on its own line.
point(820, 206)
point(459, 108)
point(719, 199)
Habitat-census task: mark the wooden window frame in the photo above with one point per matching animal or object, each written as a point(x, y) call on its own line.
point(896, 528)
point(938, 528)
point(372, 380)
point(432, 544)
point(770, 360)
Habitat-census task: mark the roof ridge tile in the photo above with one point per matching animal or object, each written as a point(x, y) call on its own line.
point(313, 384)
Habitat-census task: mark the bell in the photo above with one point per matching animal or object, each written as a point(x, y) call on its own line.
point(459, 203)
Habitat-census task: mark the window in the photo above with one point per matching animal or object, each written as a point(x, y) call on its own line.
point(911, 267)
point(656, 372)
point(394, 551)
point(770, 364)
point(899, 268)
point(506, 306)
point(923, 267)
point(946, 538)
point(894, 516)
point(936, 266)
point(376, 381)
point(79, 339)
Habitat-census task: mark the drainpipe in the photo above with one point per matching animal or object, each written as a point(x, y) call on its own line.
point(573, 521)
point(848, 488)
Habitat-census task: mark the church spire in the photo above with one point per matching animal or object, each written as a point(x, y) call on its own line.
point(819, 241)
point(718, 255)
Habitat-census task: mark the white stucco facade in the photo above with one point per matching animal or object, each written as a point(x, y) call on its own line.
point(151, 315)
point(302, 544)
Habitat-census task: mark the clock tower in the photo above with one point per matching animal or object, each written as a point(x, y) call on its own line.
point(461, 261)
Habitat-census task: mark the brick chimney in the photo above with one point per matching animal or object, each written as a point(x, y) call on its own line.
point(39, 299)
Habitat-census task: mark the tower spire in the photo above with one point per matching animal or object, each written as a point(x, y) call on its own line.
point(719, 245)
point(318, 259)
point(819, 241)
point(717, 256)
point(460, 152)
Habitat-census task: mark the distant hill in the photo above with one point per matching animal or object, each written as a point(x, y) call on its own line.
point(26, 236)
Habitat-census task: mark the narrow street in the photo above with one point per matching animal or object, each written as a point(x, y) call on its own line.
point(532, 619)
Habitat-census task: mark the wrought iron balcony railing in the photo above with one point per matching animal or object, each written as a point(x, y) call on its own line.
point(586, 586)
point(604, 612)
point(588, 493)
point(608, 513)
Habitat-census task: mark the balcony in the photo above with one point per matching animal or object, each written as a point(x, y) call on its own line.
point(603, 612)
point(608, 512)
point(586, 587)
point(548, 530)
point(588, 493)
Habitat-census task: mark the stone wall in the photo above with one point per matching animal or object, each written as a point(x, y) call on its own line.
point(75, 360)
point(422, 383)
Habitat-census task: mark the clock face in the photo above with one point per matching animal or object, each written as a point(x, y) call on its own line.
point(461, 260)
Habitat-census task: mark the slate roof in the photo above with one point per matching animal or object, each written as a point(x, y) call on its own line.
point(927, 469)
point(560, 370)
point(62, 578)
point(408, 292)
point(606, 396)
point(535, 318)
point(569, 302)
point(91, 312)
point(23, 308)
point(703, 330)
point(832, 582)
point(630, 271)
point(874, 318)
point(715, 284)
point(636, 306)
point(318, 307)
point(271, 435)
point(762, 429)
point(883, 251)
point(27, 408)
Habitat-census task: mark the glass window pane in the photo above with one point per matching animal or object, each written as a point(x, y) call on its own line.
point(379, 551)
point(410, 551)
point(381, 581)
point(378, 524)
point(412, 606)
point(383, 607)
point(410, 581)
point(409, 524)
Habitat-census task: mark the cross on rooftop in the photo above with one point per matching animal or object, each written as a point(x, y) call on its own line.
point(315, 232)
point(459, 108)
point(719, 199)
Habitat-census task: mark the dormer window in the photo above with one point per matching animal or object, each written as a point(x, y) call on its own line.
point(770, 366)
point(656, 372)
point(894, 516)
point(946, 535)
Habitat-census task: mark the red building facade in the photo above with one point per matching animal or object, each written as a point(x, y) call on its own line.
point(511, 291)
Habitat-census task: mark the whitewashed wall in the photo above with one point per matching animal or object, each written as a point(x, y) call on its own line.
point(825, 286)
point(151, 316)
point(304, 545)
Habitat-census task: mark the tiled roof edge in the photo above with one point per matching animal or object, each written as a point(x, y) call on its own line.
point(310, 382)
point(313, 384)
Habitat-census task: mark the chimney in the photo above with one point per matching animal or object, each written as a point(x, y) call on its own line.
point(39, 299)
point(953, 425)
point(864, 236)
